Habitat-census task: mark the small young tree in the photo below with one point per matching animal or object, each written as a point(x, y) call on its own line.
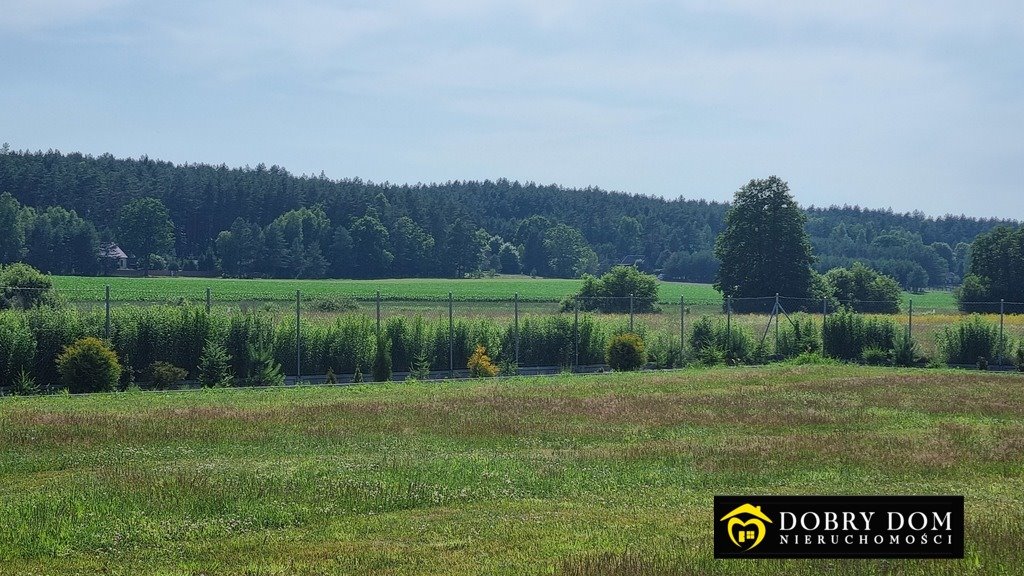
point(89, 365)
point(214, 366)
point(266, 370)
point(480, 364)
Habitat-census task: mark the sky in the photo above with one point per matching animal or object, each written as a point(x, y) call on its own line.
point(913, 105)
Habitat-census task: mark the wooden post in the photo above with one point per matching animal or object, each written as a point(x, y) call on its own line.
point(207, 299)
point(631, 312)
point(106, 300)
point(516, 314)
point(682, 328)
point(451, 339)
point(298, 336)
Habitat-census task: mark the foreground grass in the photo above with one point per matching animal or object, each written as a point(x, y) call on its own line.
point(569, 475)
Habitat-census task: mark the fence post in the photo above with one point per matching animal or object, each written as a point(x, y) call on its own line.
point(775, 311)
point(378, 314)
point(682, 328)
point(1002, 309)
point(630, 312)
point(516, 314)
point(207, 299)
point(298, 336)
point(451, 339)
point(728, 326)
point(106, 300)
point(910, 319)
point(576, 334)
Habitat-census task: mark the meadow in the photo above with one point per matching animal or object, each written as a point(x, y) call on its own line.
point(609, 474)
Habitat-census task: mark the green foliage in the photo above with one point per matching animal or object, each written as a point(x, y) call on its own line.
point(480, 364)
point(611, 292)
point(968, 340)
point(875, 356)
point(846, 335)
point(24, 385)
point(568, 254)
point(23, 287)
point(625, 352)
point(265, 370)
point(905, 352)
point(381, 361)
point(12, 230)
point(357, 376)
point(996, 270)
point(164, 375)
point(800, 337)
point(862, 289)
point(1020, 357)
point(214, 366)
point(144, 227)
point(89, 365)
point(764, 248)
point(714, 342)
point(17, 347)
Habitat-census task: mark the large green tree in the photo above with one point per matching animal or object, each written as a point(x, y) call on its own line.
point(764, 248)
point(413, 248)
point(568, 254)
point(144, 227)
point(996, 271)
point(12, 234)
point(372, 242)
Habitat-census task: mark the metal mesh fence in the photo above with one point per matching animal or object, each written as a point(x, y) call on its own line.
point(323, 336)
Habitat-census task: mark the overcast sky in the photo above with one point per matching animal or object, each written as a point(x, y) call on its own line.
point(909, 104)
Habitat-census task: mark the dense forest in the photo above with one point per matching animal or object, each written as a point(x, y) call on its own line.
point(57, 210)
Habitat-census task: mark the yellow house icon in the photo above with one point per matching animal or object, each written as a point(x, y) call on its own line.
point(752, 530)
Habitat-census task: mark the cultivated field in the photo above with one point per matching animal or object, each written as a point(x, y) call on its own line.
point(609, 474)
point(502, 288)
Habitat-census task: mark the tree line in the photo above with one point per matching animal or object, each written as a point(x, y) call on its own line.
point(267, 222)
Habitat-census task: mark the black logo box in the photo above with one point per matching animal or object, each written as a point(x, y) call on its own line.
point(896, 541)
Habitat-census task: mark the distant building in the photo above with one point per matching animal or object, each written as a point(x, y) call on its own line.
point(112, 257)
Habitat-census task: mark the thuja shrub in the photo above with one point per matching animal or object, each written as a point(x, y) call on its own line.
point(846, 335)
point(89, 365)
point(480, 364)
point(969, 340)
point(625, 352)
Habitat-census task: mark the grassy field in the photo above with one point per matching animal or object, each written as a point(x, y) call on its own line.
point(91, 289)
point(608, 474)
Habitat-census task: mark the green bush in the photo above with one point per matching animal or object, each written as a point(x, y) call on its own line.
point(164, 375)
point(875, 356)
point(24, 287)
point(611, 292)
point(89, 365)
point(1020, 357)
point(969, 340)
point(625, 352)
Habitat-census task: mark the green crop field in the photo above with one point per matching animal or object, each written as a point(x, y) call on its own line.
point(609, 474)
point(91, 289)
